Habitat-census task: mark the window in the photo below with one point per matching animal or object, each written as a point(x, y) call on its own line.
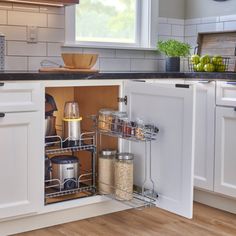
point(107, 23)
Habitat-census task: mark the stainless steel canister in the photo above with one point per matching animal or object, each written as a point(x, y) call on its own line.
point(72, 131)
point(2, 52)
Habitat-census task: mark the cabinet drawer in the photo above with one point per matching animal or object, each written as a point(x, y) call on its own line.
point(16, 97)
point(226, 93)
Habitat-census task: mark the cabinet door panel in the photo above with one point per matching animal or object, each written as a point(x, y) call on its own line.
point(205, 133)
point(225, 161)
point(21, 165)
point(172, 110)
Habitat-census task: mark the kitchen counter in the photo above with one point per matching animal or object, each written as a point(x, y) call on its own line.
point(15, 76)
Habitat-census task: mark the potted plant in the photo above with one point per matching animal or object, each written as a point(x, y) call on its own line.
point(173, 49)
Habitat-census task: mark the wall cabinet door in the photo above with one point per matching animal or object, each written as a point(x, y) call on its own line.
point(225, 151)
point(21, 165)
point(205, 135)
point(172, 109)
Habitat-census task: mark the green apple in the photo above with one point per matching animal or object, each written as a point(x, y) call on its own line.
point(221, 68)
point(205, 59)
point(200, 67)
point(217, 60)
point(194, 67)
point(195, 59)
point(209, 67)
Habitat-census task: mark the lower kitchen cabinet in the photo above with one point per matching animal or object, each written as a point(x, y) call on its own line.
point(21, 165)
point(225, 149)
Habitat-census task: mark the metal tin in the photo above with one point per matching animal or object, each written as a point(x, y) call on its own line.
point(125, 156)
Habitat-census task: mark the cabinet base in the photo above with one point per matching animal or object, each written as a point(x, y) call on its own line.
point(215, 200)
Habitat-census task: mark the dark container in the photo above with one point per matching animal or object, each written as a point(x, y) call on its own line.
point(172, 64)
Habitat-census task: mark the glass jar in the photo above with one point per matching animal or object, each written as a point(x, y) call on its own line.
point(105, 119)
point(124, 166)
point(106, 171)
point(117, 121)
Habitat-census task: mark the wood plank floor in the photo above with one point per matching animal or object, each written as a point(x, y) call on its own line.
point(207, 222)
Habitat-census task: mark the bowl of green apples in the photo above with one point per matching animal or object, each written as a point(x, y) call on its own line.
point(207, 63)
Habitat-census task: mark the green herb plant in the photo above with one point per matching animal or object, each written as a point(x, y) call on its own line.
point(173, 48)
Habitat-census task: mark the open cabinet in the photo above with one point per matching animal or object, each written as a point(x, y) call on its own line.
point(168, 161)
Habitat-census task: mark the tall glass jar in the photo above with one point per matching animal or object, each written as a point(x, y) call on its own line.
point(124, 167)
point(105, 119)
point(106, 171)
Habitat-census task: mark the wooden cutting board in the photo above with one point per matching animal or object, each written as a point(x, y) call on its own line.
point(63, 69)
point(218, 43)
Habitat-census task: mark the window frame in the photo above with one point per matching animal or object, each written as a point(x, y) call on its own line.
point(146, 35)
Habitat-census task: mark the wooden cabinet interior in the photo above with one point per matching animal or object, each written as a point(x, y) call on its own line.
point(90, 99)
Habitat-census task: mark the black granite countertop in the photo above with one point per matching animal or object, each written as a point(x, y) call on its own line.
point(16, 76)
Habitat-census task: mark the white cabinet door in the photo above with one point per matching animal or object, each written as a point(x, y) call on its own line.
point(205, 135)
point(21, 168)
point(225, 151)
point(172, 110)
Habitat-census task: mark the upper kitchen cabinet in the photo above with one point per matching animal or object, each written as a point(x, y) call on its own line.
point(56, 3)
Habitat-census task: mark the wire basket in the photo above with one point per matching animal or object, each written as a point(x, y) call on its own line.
point(219, 66)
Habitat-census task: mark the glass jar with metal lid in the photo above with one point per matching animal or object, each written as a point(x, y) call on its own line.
point(105, 119)
point(117, 121)
point(124, 166)
point(106, 171)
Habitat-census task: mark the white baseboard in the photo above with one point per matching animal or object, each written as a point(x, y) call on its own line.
point(215, 200)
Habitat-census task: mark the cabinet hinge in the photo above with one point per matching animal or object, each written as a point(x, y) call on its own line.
point(124, 100)
point(182, 85)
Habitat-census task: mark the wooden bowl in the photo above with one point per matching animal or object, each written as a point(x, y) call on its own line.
point(79, 61)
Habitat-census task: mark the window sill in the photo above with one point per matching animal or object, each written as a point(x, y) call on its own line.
point(74, 45)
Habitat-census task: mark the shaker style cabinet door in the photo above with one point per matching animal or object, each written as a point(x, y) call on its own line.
point(171, 108)
point(20, 168)
point(205, 135)
point(225, 151)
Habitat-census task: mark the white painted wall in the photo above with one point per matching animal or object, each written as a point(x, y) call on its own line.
point(206, 8)
point(172, 8)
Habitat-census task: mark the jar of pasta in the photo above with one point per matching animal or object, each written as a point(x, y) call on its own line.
point(124, 166)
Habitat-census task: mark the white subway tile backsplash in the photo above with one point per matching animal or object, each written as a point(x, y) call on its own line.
point(16, 63)
point(52, 10)
point(114, 64)
point(106, 53)
point(211, 27)
point(6, 5)
point(129, 54)
point(54, 49)
point(56, 21)
point(230, 25)
point(191, 40)
point(144, 65)
point(174, 21)
point(161, 65)
point(190, 30)
point(153, 55)
point(27, 18)
point(35, 62)
point(177, 30)
point(164, 29)
point(162, 20)
point(212, 19)
point(25, 7)
point(15, 48)
point(193, 21)
point(3, 17)
point(228, 18)
point(51, 35)
point(14, 32)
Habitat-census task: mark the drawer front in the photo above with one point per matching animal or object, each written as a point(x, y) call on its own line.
point(226, 93)
point(16, 97)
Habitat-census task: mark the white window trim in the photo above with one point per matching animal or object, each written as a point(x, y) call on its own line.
point(147, 33)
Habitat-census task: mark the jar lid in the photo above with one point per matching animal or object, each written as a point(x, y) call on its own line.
point(108, 152)
point(64, 159)
point(125, 156)
point(106, 111)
